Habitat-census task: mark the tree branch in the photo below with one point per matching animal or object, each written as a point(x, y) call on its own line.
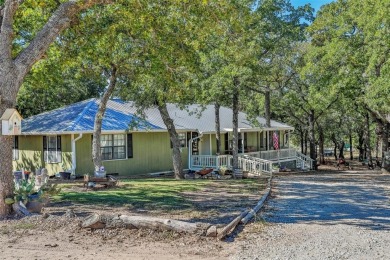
point(7, 13)
point(255, 89)
point(59, 21)
point(327, 107)
point(296, 117)
point(376, 114)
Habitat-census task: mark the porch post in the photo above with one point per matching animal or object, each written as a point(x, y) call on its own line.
point(189, 152)
point(242, 142)
point(211, 146)
point(267, 140)
point(288, 139)
point(73, 147)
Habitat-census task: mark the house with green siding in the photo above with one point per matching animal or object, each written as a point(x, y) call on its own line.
point(61, 139)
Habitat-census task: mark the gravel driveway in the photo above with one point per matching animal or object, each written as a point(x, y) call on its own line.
point(324, 216)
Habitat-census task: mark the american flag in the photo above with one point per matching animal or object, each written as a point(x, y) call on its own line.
point(275, 138)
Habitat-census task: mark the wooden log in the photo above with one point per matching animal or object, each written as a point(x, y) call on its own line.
point(229, 227)
point(165, 224)
point(97, 221)
point(258, 206)
point(211, 232)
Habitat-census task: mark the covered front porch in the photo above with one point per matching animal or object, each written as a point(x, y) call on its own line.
point(258, 150)
point(254, 162)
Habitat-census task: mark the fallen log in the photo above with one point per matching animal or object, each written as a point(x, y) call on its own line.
point(258, 206)
point(229, 227)
point(97, 221)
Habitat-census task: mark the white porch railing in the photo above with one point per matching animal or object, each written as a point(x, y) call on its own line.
point(254, 162)
point(254, 165)
point(304, 161)
point(207, 161)
point(278, 154)
point(274, 154)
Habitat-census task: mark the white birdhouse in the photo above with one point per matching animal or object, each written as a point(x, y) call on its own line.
point(11, 122)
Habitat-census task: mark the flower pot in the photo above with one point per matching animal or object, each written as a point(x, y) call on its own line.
point(100, 174)
point(65, 175)
point(34, 206)
point(33, 197)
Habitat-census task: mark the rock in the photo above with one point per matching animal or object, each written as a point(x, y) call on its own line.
point(70, 213)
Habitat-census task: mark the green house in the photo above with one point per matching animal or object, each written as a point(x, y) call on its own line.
point(61, 139)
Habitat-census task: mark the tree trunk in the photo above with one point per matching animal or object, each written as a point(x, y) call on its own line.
point(305, 142)
point(267, 106)
point(341, 145)
point(350, 147)
point(367, 141)
point(14, 69)
point(313, 152)
point(334, 140)
point(361, 144)
point(97, 129)
point(217, 127)
point(302, 139)
point(176, 153)
point(6, 175)
point(235, 125)
point(385, 148)
point(321, 140)
point(9, 85)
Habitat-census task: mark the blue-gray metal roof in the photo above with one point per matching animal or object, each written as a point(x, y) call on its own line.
point(79, 118)
point(121, 116)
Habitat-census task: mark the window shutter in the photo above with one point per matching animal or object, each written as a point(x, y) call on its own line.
point(58, 143)
point(16, 142)
point(44, 143)
point(45, 159)
point(226, 141)
point(129, 145)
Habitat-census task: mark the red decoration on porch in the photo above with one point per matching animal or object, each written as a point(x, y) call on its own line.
point(275, 138)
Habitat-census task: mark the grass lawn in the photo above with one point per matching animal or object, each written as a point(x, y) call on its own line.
point(161, 194)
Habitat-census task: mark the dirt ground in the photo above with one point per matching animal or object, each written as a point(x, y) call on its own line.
point(280, 231)
point(57, 235)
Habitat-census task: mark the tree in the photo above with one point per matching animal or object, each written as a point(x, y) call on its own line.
point(353, 36)
point(168, 64)
point(279, 25)
point(17, 60)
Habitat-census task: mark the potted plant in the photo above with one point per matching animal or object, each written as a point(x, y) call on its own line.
point(31, 197)
point(223, 170)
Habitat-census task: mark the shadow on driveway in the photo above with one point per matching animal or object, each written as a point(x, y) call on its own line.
point(360, 199)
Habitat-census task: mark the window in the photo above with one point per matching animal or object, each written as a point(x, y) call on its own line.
point(195, 143)
point(52, 149)
point(113, 146)
point(182, 139)
point(15, 148)
point(262, 140)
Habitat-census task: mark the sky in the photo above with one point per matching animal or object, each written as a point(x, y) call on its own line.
point(316, 4)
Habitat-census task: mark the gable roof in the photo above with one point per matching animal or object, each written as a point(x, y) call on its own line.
point(121, 116)
point(8, 113)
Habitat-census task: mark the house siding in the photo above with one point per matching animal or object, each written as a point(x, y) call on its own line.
point(31, 155)
point(151, 153)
